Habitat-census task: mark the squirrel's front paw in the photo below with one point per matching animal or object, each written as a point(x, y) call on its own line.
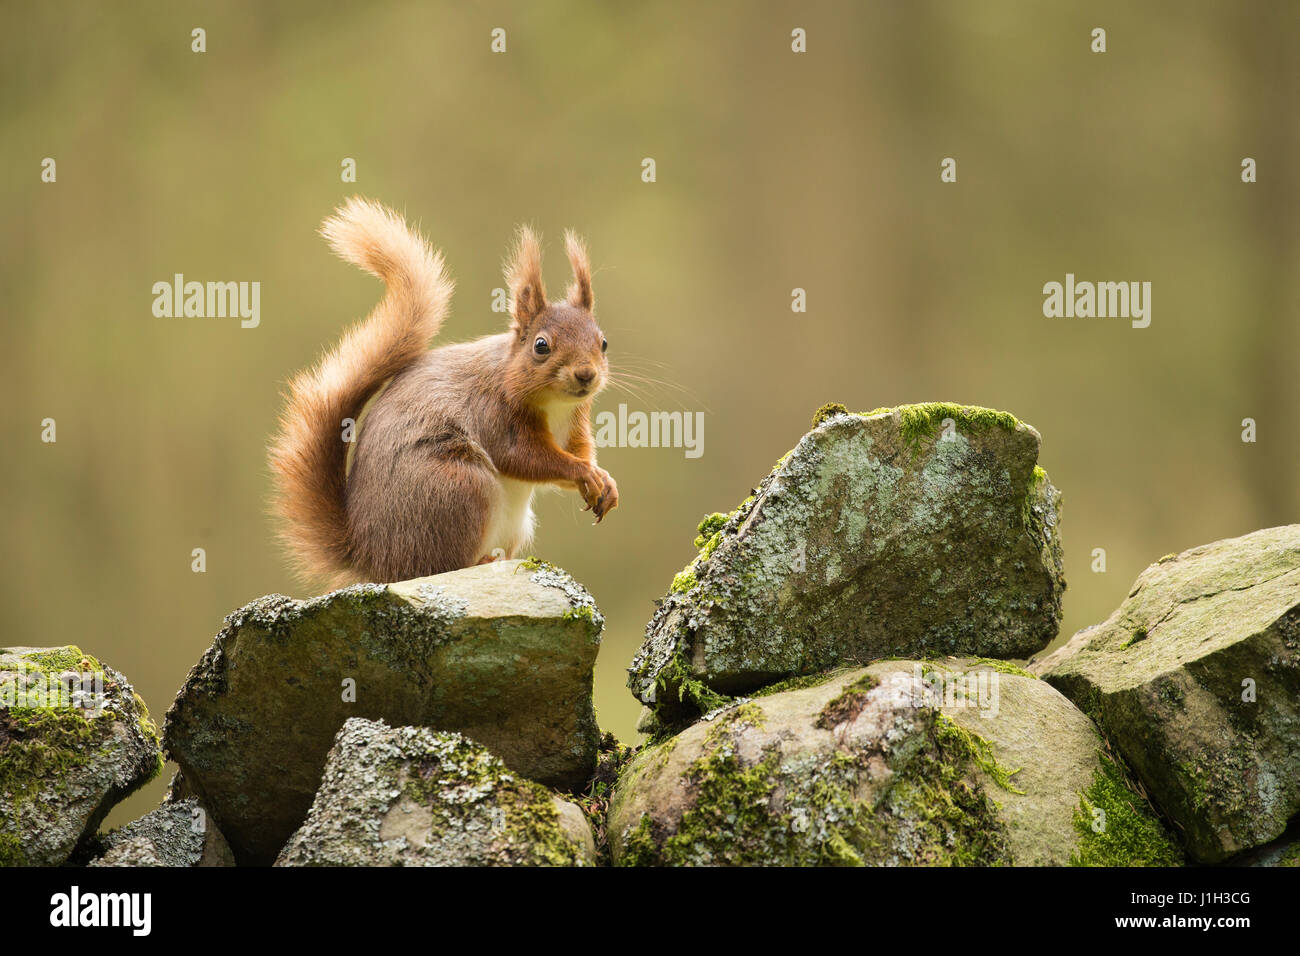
point(608, 500)
point(599, 491)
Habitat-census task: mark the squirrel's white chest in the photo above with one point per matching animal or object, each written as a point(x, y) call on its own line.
point(512, 522)
point(559, 419)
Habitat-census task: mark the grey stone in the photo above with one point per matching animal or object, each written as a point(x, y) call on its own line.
point(75, 739)
point(178, 833)
point(1196, 679)
point(886, 534)
point(409, 796)
point(502, 652)
point(948, 762)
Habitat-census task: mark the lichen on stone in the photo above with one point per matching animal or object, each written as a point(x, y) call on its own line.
point(437, 601)
point(582, 606)
point(845, 552)
point(411, 796)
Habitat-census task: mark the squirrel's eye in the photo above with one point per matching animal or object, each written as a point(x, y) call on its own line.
point(604, 345)
point(541, 347)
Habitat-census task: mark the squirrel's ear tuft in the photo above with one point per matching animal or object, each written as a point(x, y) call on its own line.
point(524, 276)
point(580, 291)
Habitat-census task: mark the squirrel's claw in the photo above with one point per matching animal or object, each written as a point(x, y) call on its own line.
point(599, 496)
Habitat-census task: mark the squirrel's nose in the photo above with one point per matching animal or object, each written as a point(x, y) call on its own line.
point(585, 376)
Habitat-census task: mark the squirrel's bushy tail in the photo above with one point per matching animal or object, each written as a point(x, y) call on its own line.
point(309, 456)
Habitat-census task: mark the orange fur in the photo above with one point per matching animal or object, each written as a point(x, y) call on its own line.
point(579, 292)
point(308, 458)
point(524, 277)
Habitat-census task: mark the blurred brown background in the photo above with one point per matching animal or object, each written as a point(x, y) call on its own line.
point(775, 171)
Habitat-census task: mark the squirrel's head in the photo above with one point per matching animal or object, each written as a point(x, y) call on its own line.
point(557, 349)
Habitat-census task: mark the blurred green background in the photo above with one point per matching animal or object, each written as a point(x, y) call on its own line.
point(775, 171)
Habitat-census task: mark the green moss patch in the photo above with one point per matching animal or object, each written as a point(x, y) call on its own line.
point(709, 528)
point(1126, 831)
point(979, 751)
point(61, 659)
point(583, 612)
point(677, 680)
point(38, 745)
point(708, 536)
point(640, 848)
point(11, 851)
point(922, 422)
point(829, 410)
point(1002, 667)
point(1139, 634)
point(685, 580)
point(957, 821)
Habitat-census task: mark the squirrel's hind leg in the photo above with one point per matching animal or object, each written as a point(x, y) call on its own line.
point(432, 517)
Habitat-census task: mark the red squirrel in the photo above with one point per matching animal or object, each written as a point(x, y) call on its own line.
point(449, 454)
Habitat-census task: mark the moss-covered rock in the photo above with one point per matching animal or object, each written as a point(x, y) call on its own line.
point(919, 530)
point(409, 796)
point(502, 652)
point(75, 739)
point(951, 762)
point(768, 782)
point(1284, 852)
point(178, 833)
point(1196, 679)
